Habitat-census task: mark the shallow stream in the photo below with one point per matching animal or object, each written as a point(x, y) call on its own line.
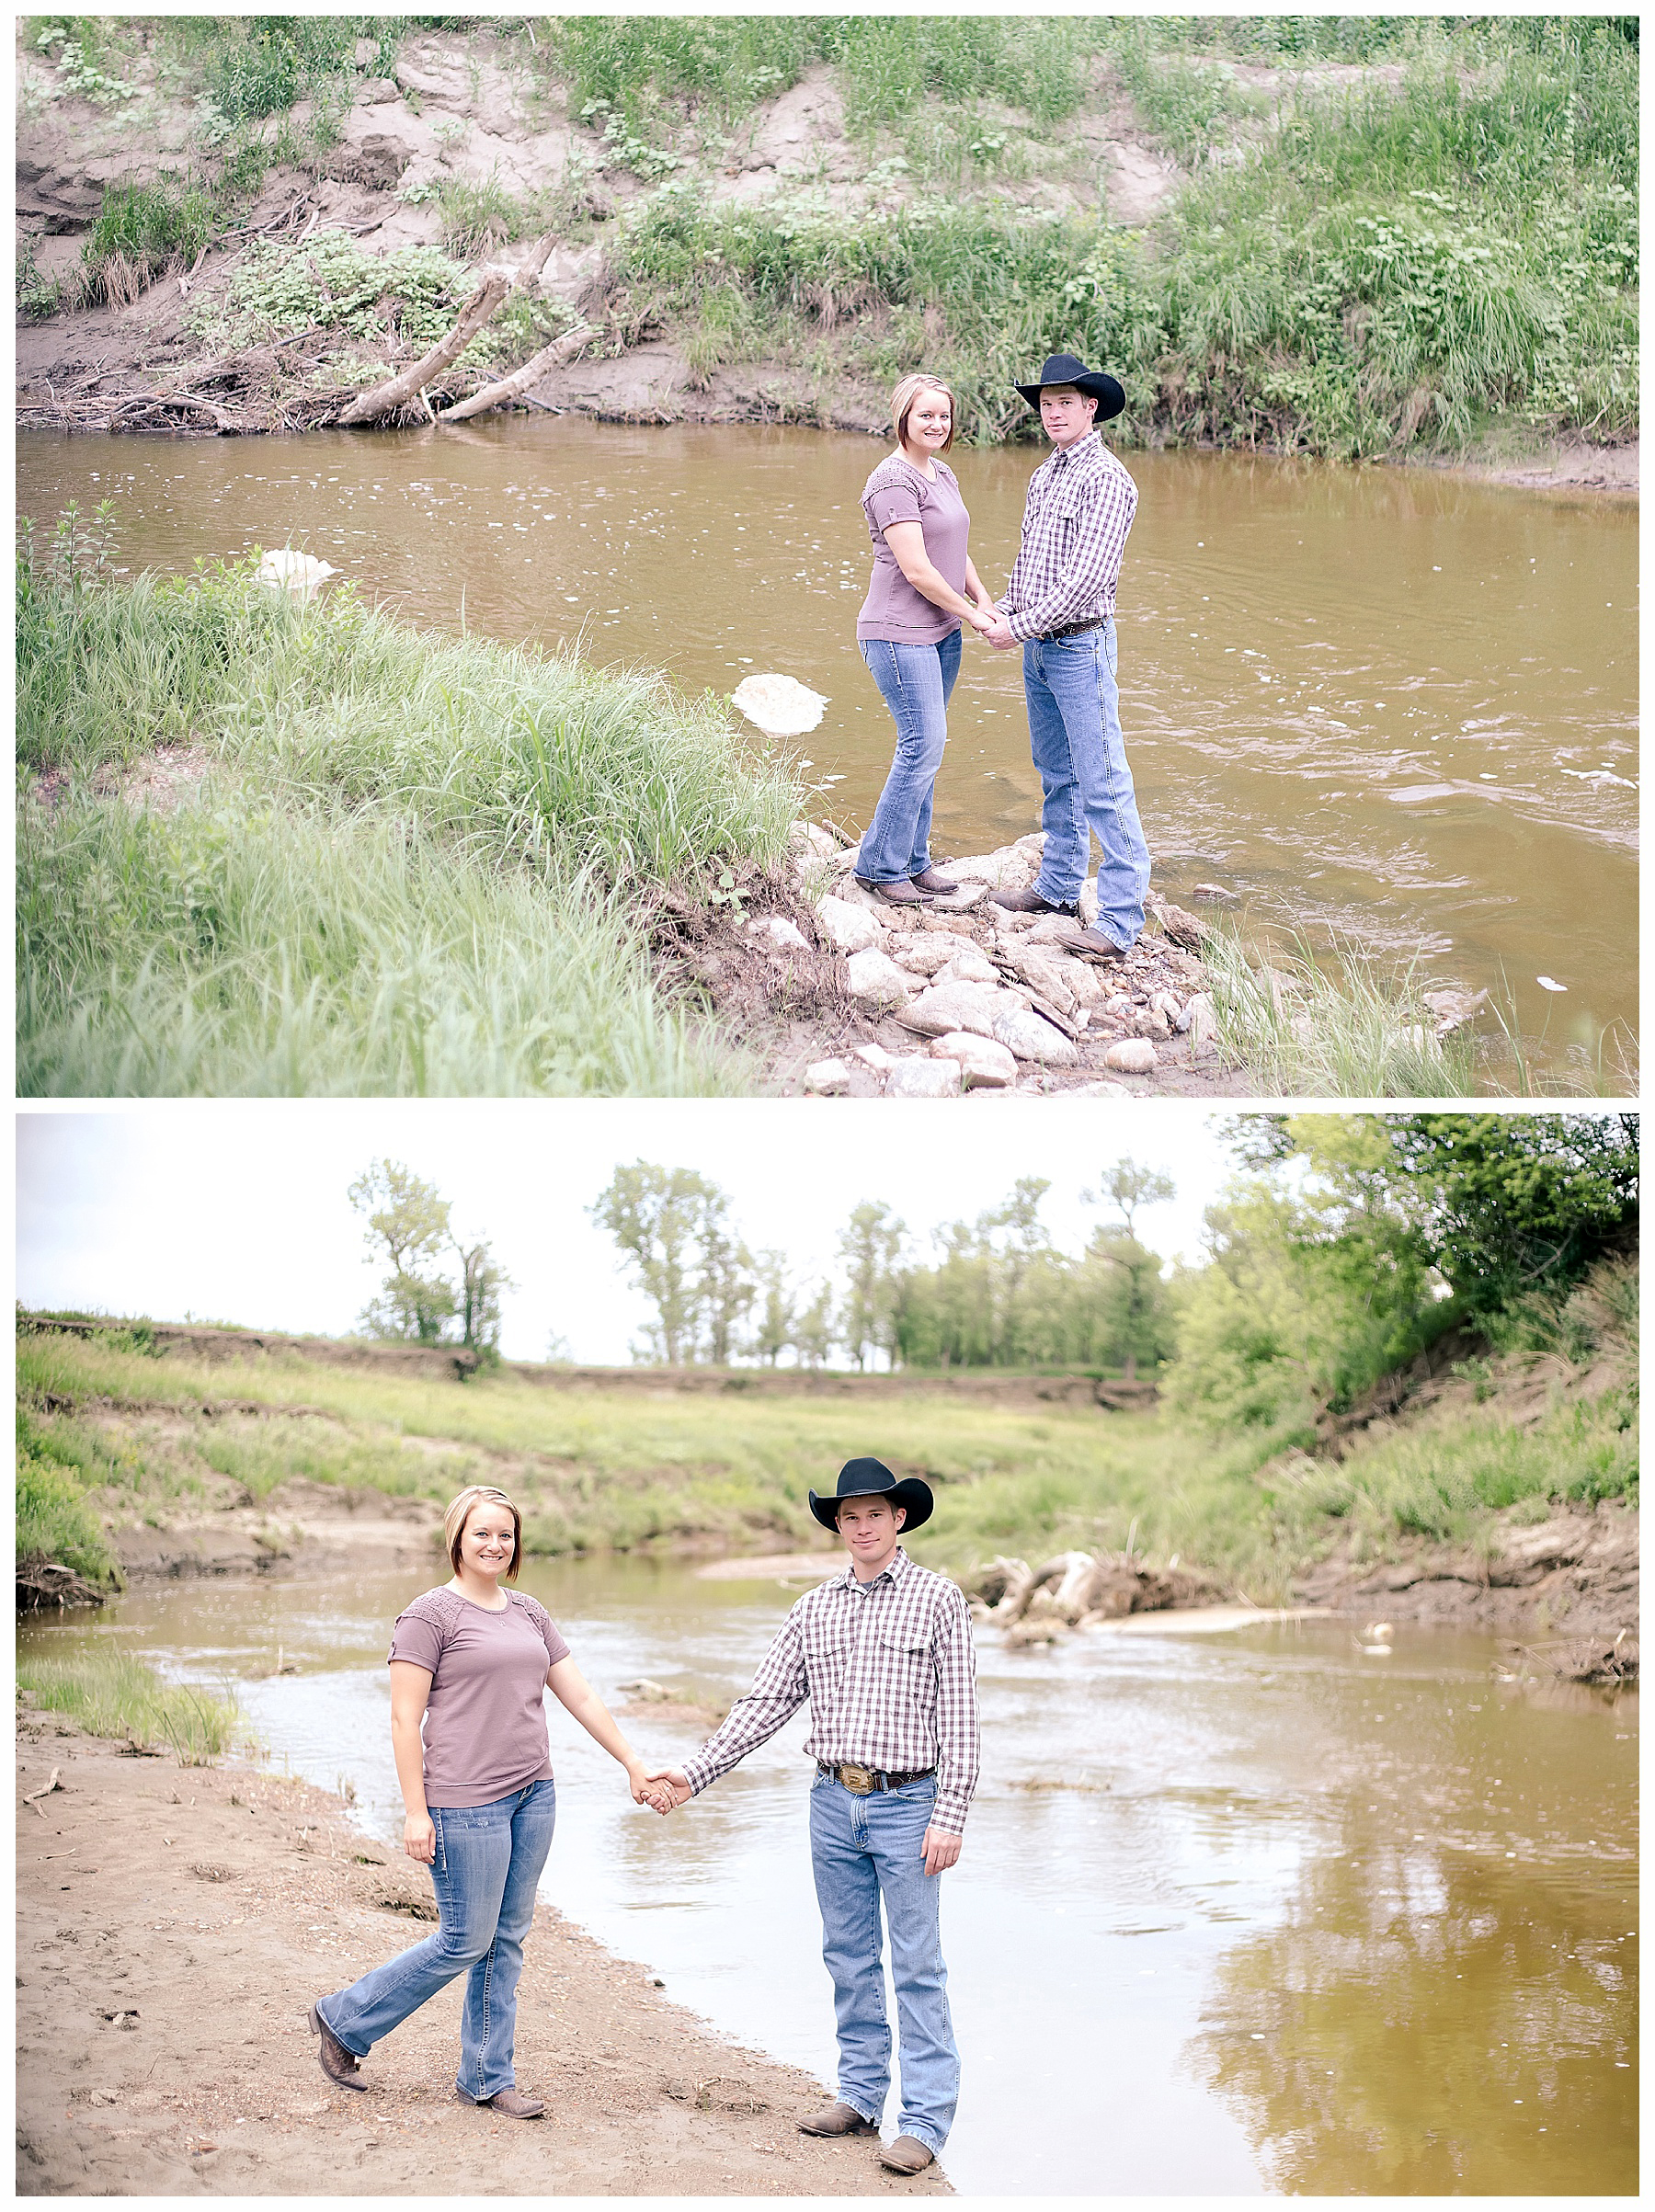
point(1237, 1914)
point(1383, 704)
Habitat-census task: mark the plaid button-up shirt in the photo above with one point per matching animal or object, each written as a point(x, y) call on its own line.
point(1078, 511)
point(891, 1675)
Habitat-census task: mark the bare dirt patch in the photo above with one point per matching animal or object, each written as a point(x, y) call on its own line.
point(174, 1925)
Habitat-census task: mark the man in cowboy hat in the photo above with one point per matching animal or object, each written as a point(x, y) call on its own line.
point(1059, 605)
point(884, 1653)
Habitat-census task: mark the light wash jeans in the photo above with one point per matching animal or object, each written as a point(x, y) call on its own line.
point(1075, 734)
point(489, 1859)
point(864, 1849)
point(915, 683)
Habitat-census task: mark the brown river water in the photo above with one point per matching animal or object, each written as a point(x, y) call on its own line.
point(1382, 703)
point(1237, 1914)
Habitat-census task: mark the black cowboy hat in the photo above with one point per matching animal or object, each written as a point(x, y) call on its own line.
point(872, 1478)
point(1068, 368)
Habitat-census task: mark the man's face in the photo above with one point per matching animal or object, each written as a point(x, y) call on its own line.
point(869, 1527)
point(1067, 413)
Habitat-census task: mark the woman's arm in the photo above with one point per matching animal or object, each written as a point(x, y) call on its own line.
point(582, 1703)
point(410, 1691)
point(907, 542)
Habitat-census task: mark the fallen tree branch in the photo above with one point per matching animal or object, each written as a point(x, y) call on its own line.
point(397, 390)
point(512, 387)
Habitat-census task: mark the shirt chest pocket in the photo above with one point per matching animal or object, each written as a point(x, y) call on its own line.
point(906, 1662)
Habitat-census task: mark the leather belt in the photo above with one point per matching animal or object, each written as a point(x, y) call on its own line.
point(1050, 637)
point(863, 1780)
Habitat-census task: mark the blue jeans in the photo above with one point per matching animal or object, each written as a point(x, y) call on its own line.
point(488, 1862)
point(863, 1849)
point(915, 683)
point(1075, 733)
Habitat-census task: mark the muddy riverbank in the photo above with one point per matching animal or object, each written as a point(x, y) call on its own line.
point(176, 1923)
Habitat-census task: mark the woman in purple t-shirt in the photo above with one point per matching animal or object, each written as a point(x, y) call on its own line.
point(908, 631)
point(471, 1661)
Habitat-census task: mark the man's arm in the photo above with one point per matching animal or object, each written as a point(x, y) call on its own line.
point(780, 1688)
point(1090, 564)
point(957, 1733)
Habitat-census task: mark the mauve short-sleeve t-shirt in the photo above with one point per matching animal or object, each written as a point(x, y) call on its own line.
point(484, 1721)
point(898, 492)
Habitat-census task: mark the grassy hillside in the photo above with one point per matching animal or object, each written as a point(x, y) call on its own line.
point(126, 1437)
point(1341, 235)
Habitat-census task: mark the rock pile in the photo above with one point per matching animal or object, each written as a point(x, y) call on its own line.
point(987, 994)
point(1076, 1590)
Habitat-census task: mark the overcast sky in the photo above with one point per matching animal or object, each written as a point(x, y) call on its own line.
point(230, 1212)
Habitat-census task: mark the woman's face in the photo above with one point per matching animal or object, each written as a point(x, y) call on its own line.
point(931, 418)
point(486, 1541)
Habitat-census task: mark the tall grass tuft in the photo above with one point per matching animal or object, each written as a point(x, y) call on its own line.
point(1361, 1032)
point(113, 1694)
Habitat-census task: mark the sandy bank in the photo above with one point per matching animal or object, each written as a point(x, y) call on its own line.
point(174, 1925)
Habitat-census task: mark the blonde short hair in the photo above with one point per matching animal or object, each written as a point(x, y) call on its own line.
point(907, 392)
point(454, 1520)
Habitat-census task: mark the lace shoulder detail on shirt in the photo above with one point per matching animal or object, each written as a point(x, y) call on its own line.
point(441, 1609)
point(531, 1607)
point(893, 473)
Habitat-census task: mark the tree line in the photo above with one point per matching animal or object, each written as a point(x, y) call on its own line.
point(1342, 1246)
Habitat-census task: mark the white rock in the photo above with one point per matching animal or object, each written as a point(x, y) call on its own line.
point(1104, 1089)
point(1053, 930)
point(1118, 1006)
point(969, 896)
point(811, 838)
point(986, 1064)
point(1045, 975)
point(1415, 1039)
point(1450, 1008)
point(1086, 986)
point(831, 1078)
point(1150, 1021)
point(875, 978)
point(1034, 843)
point(1215, 891)
point(969, 966)
point(787, 937)
point(969, 1006)
point(300, 574)
point(923, 952)
point(779, 705)
point(1169, 1004)
point(1132, 1056)
point(1302, 1030)
point(850, 929)
point(923, 1079)
point(1021, 1028)
point(1203, 1022)
point(875, 1056)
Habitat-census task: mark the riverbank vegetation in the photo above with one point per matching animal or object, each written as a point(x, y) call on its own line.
point(113, 1694)
point(1350, 236)
point(409, 863)
point(1478, 1271)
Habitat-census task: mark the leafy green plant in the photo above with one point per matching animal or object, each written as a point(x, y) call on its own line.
point(143, 231)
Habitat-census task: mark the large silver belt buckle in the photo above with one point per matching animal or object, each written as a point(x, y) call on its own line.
point(858, 1780)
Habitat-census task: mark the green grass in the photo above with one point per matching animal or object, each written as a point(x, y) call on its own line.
point(418, 864)
point(111, 1694)
point(143, 231)
point(596, 1470)
point(1352, 1027)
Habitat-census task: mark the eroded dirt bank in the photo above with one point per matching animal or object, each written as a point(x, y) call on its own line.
point(174, 1926)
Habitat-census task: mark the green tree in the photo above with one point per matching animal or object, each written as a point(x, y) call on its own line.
point(869, 1245)
point(725, 1286)
point(656, 1215)
point(483, 1283)
point(813, 1330)
point(773, 1326)
point(408, 1225)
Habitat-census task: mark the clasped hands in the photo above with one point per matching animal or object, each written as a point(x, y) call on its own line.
point(661, 1788)
point(991, 626)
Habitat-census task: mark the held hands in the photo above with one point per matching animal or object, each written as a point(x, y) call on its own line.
point(941, 1849)
point(667, 1788)
point(998, 632)
point(420, 1837)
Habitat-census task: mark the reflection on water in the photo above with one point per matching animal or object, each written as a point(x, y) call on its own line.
point(1235, 1915)
point(1380, 701)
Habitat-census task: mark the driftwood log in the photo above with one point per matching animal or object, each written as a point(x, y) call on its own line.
point(1038, 1604)
point(45, 1583)
point(409, 383)
point(512, 387)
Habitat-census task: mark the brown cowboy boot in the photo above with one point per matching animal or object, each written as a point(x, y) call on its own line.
point(900, 894)
point(907, 2154)
point(511, 2101)
point(1029, 902)
point(938, 886)
point(835, 2119)
point(339, 2064)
